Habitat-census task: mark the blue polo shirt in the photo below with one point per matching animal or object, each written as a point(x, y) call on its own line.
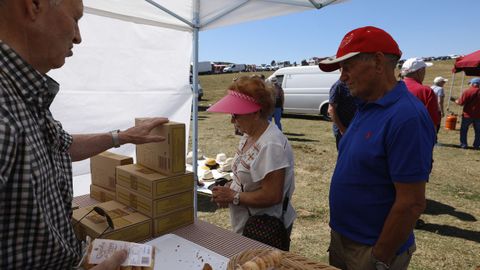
point(390, 140)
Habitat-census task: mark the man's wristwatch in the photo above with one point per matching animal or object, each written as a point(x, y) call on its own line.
point(236, 198)
point(379, 265)
point(116, 141)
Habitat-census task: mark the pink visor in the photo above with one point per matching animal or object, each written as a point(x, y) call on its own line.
point(235, 103)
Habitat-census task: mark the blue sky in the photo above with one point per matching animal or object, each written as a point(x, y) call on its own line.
point(421, 28)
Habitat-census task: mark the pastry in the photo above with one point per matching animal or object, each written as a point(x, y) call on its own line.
point(249, 266)
point(269, 260)
point(207, 266)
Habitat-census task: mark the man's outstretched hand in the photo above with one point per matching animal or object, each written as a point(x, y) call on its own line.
point(140, 133)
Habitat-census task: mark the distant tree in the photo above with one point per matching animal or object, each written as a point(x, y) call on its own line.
point(295, 63)
point(273, 63)
point(304, 62)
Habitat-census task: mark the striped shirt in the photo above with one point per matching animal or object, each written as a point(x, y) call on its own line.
point(35, 172)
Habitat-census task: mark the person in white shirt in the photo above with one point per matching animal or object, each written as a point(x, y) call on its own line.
point(263, 173)
point(437, 88)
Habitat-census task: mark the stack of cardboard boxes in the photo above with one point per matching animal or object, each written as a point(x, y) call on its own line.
point(158, 187)
point(103, 170)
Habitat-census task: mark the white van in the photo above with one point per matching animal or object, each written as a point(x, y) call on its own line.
point(306, 89)
point(235, 68)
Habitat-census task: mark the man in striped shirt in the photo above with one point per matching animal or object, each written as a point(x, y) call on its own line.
point(35, 152)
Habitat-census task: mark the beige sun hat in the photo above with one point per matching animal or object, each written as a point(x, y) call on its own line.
point(207, 175)
point(226, 166)
point(221, 157)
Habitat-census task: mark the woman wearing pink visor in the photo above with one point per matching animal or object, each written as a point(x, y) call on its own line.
point(263, 181)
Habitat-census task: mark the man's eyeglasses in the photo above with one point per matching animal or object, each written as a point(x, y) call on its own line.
point(102, 213)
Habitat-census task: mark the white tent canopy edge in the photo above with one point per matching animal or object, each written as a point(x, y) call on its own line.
point(134, 61)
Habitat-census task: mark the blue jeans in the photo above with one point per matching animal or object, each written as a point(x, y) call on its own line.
point(277, 114)
point(466, 122)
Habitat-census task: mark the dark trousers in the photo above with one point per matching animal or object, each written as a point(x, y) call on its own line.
point(277, 116)
point(466, 122)
point(338, 136)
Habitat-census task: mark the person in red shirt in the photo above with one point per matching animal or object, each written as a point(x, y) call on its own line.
point(470, 100)
point(413, 72)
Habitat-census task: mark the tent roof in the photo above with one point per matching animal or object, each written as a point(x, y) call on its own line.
point(179, 14)
point(470, 64)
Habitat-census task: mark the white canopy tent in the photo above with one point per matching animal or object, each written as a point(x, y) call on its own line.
point(135, 58)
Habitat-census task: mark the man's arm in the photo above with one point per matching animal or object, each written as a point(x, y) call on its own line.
point(88, 145)
point(332, 111)
point(440, 104)
point(408, 206)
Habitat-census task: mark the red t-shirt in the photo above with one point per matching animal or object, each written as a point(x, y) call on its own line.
point(426, 96)
point(470, 100)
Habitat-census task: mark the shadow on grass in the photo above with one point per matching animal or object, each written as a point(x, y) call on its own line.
point(204, 204)
point(452, 145)
point(305, 116)
point(291, 137)
point(438, 208)
point(452, 231)
point(293, 134)
point(201, 117)
point(300, 140)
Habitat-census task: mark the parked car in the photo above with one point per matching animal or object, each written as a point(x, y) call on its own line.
point(306, 89)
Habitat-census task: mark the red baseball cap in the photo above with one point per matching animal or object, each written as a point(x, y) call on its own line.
point(366, 39)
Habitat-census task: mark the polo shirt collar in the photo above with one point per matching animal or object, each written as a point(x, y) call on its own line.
point(37, 90)
point(390, 97)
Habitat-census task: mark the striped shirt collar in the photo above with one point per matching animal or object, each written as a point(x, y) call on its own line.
point(37, 89)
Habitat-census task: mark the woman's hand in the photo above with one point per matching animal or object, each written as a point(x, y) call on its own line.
point(222, 196)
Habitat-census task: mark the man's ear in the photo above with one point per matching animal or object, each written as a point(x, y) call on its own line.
point(380, 60)
point(33, 8)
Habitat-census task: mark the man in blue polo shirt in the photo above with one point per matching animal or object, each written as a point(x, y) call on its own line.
point(378, 187)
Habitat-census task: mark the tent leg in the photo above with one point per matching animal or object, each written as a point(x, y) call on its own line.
point(450, 94)
point(196, 18)
point(459, 111)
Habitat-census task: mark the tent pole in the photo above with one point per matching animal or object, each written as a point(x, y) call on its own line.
point(224, 13)
point(196, 19)
point(461, 92)
point(166, 10)
point(450, 94)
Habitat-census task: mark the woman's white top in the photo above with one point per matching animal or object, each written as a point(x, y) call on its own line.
point(271, 152)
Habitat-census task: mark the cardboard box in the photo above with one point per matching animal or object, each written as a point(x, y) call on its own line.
point(129, 224)
point(152, 184)
point(167, 157)
point(154, 208)
point(172, 221)
point(102, 168)
point(101, 194)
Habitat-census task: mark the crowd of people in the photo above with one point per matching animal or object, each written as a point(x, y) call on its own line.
point(385, 131)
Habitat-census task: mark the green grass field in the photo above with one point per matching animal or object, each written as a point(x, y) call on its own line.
point(450, 238)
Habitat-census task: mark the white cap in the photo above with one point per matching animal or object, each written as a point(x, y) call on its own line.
point(439, 79)
point(414, 64)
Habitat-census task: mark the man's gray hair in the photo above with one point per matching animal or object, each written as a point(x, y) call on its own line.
point(392, 59)
point(54, 2)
